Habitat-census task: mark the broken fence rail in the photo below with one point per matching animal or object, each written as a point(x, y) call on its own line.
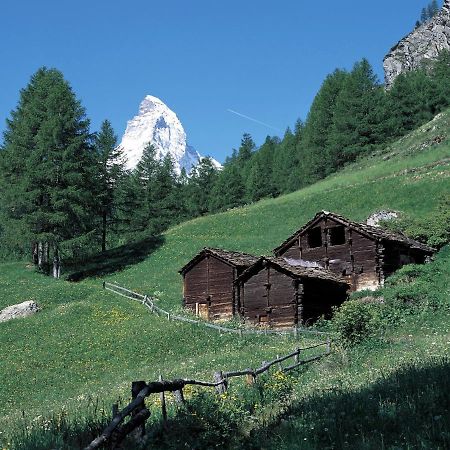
point(141, 390)
point(149, 302)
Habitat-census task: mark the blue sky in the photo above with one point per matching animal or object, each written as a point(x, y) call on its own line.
point(260, 58)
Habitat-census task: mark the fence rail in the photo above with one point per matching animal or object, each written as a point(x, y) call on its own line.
point(149, 302)
point(140, 390)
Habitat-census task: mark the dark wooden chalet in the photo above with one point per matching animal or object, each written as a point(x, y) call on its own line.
point(208, 282)
point(276, 294)
point(364, 255)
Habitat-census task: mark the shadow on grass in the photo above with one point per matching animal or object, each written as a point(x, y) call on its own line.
point(407, 409)
point(113, 260)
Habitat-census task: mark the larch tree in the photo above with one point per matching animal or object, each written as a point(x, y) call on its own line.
point(48, 170)
point(111, 163)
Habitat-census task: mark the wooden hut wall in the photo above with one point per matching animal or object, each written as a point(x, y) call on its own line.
point(293, 251)
point(366, 264)
point(254, 297)
point(282, 299)
point(196, 285)
point(209, 283)
point(342, 250)
point(220, 289)
point(269, 297)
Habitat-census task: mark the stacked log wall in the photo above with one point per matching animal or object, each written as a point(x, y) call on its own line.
point(196, 285)
point(220, 289)
point(210, 282)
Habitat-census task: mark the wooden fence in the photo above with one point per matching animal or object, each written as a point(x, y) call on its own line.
point(140, 390)
point(149, 302)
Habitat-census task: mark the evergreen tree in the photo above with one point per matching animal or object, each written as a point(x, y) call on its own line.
point(440, 85)
point(246, 150)
point(317, 160)
point(408, 103)
point(357, 116)
point(260, 182)
point(110, 171)
point(229, 190)
point(48, 169)
point(199, 187)
point(285, 154)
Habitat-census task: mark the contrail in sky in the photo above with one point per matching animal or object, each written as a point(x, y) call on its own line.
point(253, 120)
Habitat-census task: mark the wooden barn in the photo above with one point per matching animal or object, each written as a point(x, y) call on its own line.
point(208, 282)
point(364, 255)
point(276, 294)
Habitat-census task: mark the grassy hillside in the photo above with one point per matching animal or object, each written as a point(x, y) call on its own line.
point(87, 343)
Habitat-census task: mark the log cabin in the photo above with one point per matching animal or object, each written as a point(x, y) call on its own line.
point(274, 293)
point(364, 255)
point(208, 282)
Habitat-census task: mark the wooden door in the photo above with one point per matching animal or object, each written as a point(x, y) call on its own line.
point(202, 310)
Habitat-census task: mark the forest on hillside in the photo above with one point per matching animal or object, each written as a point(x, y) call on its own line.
point(66, 194)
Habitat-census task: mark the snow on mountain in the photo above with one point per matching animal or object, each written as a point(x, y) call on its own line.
point(157, 124)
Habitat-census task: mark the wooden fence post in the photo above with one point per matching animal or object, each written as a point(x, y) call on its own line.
point(222, 387)
point(295, 331)
point(179, 397)
point(328, 346)
point(162, 397)
point(297, 355)
point(136, 387)
point(280, 367)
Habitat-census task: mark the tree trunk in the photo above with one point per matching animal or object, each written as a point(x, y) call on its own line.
point(56, 264)
point(104, 232)
point(40, 255)
point(34, 253)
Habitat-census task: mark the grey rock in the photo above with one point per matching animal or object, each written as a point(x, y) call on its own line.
point(423, 45)
point(23, 309)
point(375, 218)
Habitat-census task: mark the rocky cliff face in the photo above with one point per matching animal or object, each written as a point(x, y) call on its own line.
point(423, 44)
point(157, 124)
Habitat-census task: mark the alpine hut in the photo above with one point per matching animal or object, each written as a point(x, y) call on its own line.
point(364, 255)
point(208, 282)
point(274, 293)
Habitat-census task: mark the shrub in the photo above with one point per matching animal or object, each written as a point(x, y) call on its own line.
point(433, 230)
point(356, 321)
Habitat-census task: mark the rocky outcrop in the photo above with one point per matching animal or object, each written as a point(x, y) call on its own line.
point(381, 216)
point(23, 309)
point(422, 45)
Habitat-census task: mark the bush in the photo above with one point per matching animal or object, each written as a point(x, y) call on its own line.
point(356, 321)
point(433, 230)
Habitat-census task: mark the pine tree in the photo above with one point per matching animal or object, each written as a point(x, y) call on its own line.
point(357, 116)
point(440, 85)
point(317, 160)
point(229, 190)
point(48, 169)
point(408, 103)
point(199, 187)
point(110, 171)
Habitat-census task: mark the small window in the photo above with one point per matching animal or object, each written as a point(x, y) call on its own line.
point(336, 235)
point(315, 237)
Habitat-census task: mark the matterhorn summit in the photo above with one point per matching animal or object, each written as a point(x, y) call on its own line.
point(158, 125)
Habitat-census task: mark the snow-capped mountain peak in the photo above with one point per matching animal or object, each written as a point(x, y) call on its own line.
point(157, 124)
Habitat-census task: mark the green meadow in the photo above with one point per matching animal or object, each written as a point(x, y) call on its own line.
point(87, 345)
